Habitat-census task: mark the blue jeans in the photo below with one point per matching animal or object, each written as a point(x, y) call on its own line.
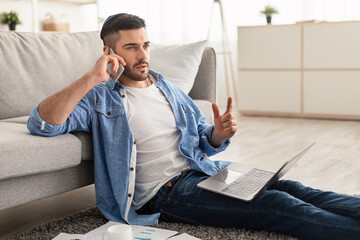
point(287, 207)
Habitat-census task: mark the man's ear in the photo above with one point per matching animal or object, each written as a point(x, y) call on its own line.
point(106, 49)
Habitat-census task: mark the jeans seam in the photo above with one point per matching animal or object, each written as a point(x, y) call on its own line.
point(337, 207)
point(181, 203)
point(312, 222)
point(271, 213)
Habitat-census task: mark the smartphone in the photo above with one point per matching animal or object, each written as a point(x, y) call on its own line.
point(114, 76)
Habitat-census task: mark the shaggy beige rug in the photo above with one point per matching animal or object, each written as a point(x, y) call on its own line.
point(87, 220)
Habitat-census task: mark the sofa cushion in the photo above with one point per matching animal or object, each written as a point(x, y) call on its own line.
point(21, 120)
point(87, 149)
point(206, 109)
point(34, 66)
point(178, 63)
point(205, 82)
point(22, 153)
point(84, 137)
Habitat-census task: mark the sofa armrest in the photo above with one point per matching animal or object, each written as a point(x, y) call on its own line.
point(205, 81)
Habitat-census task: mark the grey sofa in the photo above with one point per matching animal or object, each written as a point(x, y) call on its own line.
point(32, 67)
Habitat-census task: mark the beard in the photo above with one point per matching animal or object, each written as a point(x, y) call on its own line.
point(136, 75)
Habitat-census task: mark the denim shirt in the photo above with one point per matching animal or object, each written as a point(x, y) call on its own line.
point(102, 112)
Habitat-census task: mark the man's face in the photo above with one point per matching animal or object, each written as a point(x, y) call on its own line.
point(134, 47)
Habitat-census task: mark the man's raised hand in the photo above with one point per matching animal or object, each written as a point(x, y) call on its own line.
point(225, 124)
point(100, 68)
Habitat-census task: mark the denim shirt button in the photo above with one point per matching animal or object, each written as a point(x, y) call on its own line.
point(134, 142)
point(108, 113)
point(123, 96)
point(131, 169)
point(129, 195)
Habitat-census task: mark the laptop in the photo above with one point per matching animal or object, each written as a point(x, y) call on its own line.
point(245, 182)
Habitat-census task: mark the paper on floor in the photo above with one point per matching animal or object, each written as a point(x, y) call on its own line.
point(183, 236)
point(67, 236)
point(139, 232)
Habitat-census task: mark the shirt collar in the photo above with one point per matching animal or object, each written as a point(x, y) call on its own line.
point(157, 76)
point(112, 84)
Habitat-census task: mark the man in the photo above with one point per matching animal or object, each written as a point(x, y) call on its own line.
point(144, 124)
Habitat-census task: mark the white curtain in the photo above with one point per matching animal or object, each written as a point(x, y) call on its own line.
point(182, 21)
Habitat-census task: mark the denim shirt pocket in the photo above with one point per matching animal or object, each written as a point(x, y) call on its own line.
point(110, 119)
point(109, 111)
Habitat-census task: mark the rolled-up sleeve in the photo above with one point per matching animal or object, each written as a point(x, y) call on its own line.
point(78, 120)
point(205, 144)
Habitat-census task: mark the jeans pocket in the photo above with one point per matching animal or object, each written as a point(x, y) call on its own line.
point(176, 184)
point(169, 188)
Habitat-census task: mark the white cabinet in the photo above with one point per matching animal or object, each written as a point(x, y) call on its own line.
point(269, 91)
point(332, 46)
point(332, 93)
point(303, 70)
point(269, 47)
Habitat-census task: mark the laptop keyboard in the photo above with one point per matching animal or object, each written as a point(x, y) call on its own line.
point(249, 183)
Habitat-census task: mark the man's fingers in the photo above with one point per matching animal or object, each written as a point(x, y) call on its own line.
point(229, 123)
point(226, 117)
point(115, 63)
point(229, 105)
point(231, 129)
point(216, 110)
point(115, 60)
point(121, 60)
point(118, 58)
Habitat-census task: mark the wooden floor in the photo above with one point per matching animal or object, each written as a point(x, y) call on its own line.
point(332, 164)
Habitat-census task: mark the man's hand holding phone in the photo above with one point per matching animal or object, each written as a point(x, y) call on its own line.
point(109, 65)
point(57, 108)
point(115, 70)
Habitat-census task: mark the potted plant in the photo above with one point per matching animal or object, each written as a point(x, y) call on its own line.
point(10, 18)
point(268, 12)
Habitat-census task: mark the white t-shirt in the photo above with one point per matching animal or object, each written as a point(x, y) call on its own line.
point(157, 139)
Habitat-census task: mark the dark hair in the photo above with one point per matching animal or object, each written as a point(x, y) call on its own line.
point(116, 22)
